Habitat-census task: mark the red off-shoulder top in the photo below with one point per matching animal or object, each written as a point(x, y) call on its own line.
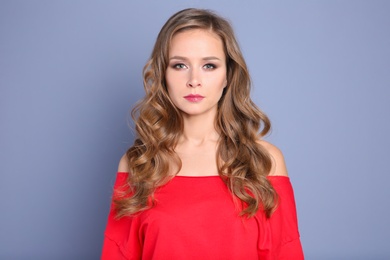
point(198, 218)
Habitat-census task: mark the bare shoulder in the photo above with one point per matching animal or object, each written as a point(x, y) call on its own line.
point(123, 164)
point(278, 163)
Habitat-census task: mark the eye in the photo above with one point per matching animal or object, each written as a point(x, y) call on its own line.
point(179, 66)
point(209, 66)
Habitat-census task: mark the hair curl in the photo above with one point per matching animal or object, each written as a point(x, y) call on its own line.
point(243, 162)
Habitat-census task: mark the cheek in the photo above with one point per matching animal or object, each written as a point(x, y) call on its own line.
point(223, 80)
point(172, 81)
point(168, 83)
point(172, 91)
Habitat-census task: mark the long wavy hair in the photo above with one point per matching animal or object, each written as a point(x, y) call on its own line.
point(243, 163)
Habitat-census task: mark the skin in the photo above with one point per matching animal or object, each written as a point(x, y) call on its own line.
point(197, 65)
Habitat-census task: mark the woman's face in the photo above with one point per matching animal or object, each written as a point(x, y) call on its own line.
point(196, 73)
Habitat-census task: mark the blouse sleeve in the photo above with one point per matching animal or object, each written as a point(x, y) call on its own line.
point(285, 239)
point(121, 238)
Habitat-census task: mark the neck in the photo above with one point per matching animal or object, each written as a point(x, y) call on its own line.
point(199, 129)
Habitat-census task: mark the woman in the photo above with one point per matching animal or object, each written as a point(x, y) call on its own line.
point(199, 182)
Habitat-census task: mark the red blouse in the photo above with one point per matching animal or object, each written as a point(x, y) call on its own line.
point(197, 218)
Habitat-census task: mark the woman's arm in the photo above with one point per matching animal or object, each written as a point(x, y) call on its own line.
point(121, 239)
point(278, 164)
point(123, 164)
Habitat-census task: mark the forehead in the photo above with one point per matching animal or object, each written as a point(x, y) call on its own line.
point(196, 42)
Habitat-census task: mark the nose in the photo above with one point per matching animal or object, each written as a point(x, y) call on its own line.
point(194, 79)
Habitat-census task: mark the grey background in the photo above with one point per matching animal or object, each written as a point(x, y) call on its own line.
point(71, 70)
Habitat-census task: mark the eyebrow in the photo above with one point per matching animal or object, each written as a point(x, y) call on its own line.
point(184, 58)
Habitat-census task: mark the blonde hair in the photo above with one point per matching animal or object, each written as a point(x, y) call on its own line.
point(243, 163)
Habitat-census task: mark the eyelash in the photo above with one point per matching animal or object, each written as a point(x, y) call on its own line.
point(207, 66)
point(210, 66)
point(178, 66)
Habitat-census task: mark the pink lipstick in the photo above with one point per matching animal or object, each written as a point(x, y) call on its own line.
point(194, 98)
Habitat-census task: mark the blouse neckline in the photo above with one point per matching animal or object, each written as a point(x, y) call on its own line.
point(216, 176)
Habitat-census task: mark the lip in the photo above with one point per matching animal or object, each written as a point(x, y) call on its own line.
point(194, 98)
